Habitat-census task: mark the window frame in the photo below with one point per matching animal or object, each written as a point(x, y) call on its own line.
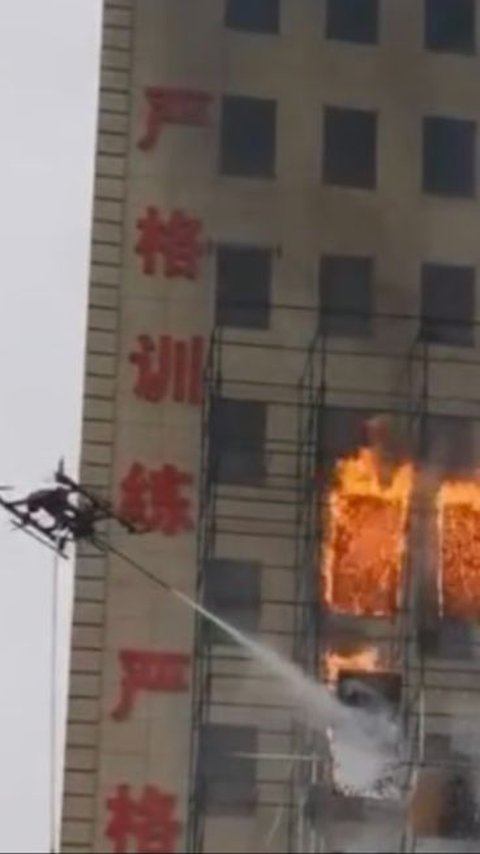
point(210, 786)
point(434, 42)
point(335, 172)
point(335, 323)
point(258, 312)
point(457, 331)
point(333, 24)
point(250, 473)
point(436, 427)
point(233, 161)
point(243, 611)
point(231, 7)
point(436, 181)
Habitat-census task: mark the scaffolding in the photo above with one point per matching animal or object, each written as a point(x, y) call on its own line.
point(275, 522)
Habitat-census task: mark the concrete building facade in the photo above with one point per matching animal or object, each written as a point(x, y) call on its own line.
point(285, 243)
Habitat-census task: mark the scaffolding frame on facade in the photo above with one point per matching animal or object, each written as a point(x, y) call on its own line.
point(310, 390)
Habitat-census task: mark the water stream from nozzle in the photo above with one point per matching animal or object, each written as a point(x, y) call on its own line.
point(367, 737)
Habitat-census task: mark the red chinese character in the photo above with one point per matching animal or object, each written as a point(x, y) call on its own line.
point(153, 499)
point(149, 671)
point(178, 369)
point(173, 106)
point(176, 240)
point(149, 821)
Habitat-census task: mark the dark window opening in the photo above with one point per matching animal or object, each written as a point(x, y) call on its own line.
point(349, 148)
point(227, 781)
point(437, 748)
point(369, 691)
point(237, 448)
point(449, 156)
point(448, 305)
point(450, 25)
point(449, 444)
point(458, 818)
point(446, 638)
point(244, 276)
point(341, 432)
point(255, 16)
point(248, 132)
point(346, 295)
point(232, 591)
point(353, 21)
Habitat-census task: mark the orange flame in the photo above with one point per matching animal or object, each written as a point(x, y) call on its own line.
point(365, 541)
point(458, 519)
point(366, 660)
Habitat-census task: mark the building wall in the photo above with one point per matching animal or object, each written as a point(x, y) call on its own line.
point(177, 43)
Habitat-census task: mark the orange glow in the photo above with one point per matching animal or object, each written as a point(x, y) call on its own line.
point(365, 542)
point(458, 517)
point(366, 660)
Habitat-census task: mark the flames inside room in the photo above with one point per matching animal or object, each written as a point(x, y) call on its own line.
point(366, 532)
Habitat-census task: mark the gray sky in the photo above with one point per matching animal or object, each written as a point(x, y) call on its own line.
point(48, 91)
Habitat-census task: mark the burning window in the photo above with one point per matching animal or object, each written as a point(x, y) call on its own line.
point(458, 516)
point(363, 660)
point(365, 542)
point(363, 763)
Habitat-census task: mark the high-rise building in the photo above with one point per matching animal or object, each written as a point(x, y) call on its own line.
point(281, 391)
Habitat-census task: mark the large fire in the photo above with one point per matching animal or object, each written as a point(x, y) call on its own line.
point(366, 532)
point(458, 516)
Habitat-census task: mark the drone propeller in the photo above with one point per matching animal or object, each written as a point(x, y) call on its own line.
point(5, 488)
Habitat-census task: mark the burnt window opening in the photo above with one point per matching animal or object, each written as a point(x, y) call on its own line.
point(253, 16)
point(350, 148)
point(237, 446)
point(346, 295)
point(232, 590)
point(448, 305)
point(458, 819)
point(450, 26)
point(446, 638)
point(248, 137)
point(437, 748)
point(243, 293)
point(449, 444)
point(369, 690)
point(341, 432)
point(226, 782)
point(353, 21)
point(449, 156)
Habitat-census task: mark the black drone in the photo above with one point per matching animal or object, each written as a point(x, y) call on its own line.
point(62, 514)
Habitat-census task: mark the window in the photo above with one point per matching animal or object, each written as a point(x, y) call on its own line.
point(255, 16)
point(227, 782)
point(458, 818)
point(449, 443)
point(346, 295)
point(349, 149)
point(448, 304)
point(238, 441)
point(368, 690)
point(243, 286)
point(353, 20)
point(449, 156)
point(450, 25)
point(341, 432)
point(248, 137)
point(232, 590)
point(446, 639)
point(437, 747)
